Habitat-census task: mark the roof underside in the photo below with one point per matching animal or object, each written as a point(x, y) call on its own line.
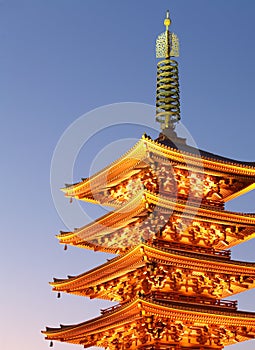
point(225, 178)
point(148, 216)
point(136, 272)
point(141, 316)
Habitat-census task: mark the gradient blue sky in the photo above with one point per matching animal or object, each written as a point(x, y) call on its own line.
point(60, 59)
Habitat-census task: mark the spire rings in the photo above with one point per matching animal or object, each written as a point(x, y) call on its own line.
point(167, 93)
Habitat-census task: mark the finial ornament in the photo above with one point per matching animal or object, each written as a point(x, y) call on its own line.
point(167, 21)
point(167, 43)
point(167, 97)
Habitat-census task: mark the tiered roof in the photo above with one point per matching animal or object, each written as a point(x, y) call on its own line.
point(147, 216)
point(145, 269)
point(144, 323)
point(173, 268)
point(234, 177)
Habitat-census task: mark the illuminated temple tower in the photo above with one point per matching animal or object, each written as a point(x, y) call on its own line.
point(172, 236)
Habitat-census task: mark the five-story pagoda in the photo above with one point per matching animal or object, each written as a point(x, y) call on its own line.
point(172, 236)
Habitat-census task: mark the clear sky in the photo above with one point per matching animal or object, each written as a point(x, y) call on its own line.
point(62, 58)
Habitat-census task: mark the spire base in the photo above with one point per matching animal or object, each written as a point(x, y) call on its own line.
point(170, 137)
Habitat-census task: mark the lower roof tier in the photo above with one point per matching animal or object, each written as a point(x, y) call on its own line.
point(146, 269)
point(141, 323)
point(148, 217)
point(180, 172)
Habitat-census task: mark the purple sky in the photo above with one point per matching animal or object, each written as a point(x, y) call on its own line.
point(60, 59)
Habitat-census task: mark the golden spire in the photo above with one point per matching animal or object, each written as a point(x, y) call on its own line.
point(167, 23)
point(167, 99)
point(167, 20)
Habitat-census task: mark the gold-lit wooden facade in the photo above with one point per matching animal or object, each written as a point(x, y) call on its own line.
point(147, 269)
point(147, 324)
point(148, 217)
point(171, 233)
point(160, 168)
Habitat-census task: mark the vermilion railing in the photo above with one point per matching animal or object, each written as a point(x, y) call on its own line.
point(196, 249)
point(193, 299)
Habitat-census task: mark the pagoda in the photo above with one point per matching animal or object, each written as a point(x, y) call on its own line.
point(171, 235)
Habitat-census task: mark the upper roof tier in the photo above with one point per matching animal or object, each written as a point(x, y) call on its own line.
point(148, 217)
point(144, 270)
point(173, 170)
point(143, 323)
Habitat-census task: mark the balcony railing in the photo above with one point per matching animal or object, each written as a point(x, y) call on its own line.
point(180, 299)
point(191, 248)
point(163, 296)
point(110, 309)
